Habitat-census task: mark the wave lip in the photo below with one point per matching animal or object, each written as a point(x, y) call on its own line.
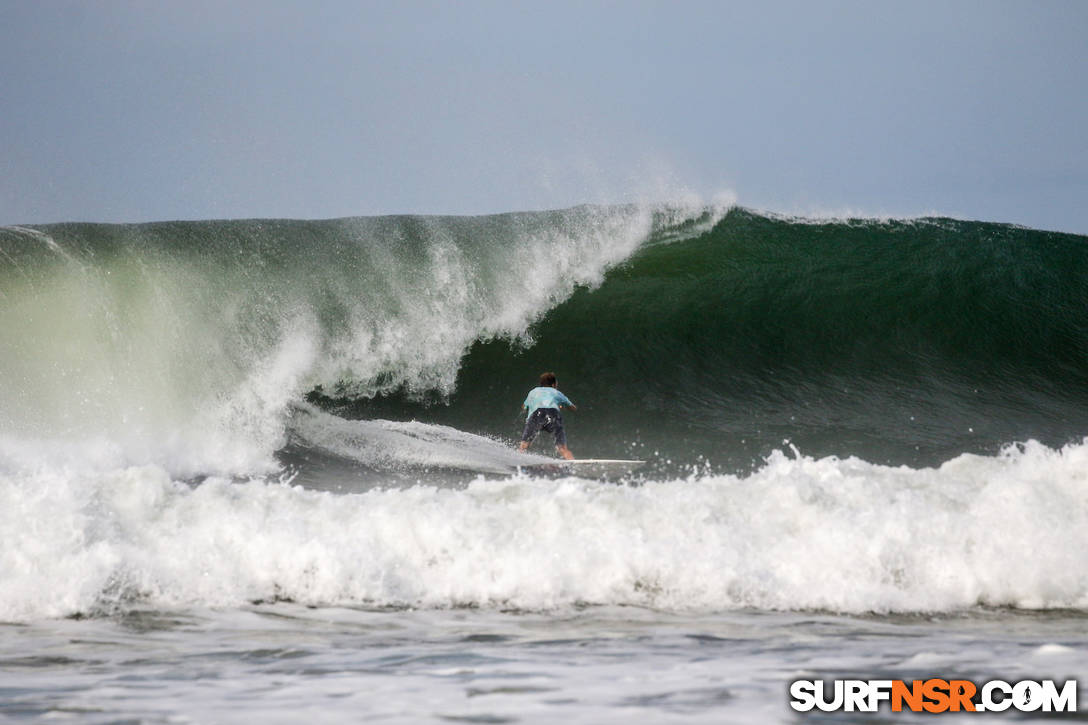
point(799, 534)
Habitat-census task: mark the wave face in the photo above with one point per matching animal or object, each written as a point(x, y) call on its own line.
point(210, 413)
point(898, 341)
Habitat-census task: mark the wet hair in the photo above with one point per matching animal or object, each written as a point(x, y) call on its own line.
point(547, 380)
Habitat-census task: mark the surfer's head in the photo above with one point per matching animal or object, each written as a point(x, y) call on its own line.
point(547, 380)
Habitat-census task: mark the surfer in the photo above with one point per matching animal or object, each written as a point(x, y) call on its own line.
point(543, 404)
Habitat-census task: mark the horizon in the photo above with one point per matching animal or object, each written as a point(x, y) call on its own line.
point(131, 113)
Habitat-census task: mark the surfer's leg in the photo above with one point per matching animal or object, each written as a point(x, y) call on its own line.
point(532, 427)
point(561, 439)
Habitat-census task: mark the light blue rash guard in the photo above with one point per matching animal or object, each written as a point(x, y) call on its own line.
point(544, 398)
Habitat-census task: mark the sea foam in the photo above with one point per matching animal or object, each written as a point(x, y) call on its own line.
point(800, 533)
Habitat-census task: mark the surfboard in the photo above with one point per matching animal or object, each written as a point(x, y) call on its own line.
point(589, 467)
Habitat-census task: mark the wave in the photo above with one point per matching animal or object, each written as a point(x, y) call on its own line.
point(166, 387)
point(900, 341)
point(801, 533)
point(184, 343)
point(687, 333)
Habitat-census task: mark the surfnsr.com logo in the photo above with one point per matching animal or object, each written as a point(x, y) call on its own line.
point(933, 695)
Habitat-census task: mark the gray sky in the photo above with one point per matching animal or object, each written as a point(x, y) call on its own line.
point(137, 111)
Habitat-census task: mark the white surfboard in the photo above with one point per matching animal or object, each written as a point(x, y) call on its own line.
point(590, 467)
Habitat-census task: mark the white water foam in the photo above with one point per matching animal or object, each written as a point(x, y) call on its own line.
point(404, 444)
point(801, 533)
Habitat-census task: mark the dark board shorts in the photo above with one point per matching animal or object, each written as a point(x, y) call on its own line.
point(545, 419)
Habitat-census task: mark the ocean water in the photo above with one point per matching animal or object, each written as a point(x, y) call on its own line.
point(266, 468)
